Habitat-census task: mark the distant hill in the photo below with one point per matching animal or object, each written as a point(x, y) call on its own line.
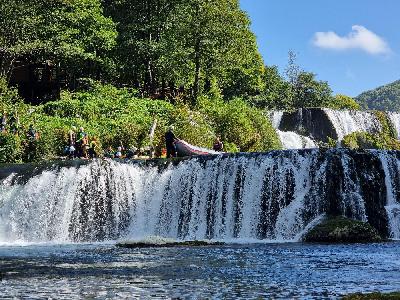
point(386, 97)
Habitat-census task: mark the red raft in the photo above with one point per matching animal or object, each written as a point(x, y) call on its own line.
point(185, 149)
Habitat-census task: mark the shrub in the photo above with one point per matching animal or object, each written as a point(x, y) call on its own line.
point(365, 140)
point(116, 115)
point(10, 148)
point(343, 102)
point(240, 125)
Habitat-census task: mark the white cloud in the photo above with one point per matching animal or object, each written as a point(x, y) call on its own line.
point(359, 38)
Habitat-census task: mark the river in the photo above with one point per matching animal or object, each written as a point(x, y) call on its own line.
point(277, 271)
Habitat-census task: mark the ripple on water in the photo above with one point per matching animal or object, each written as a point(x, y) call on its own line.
point(232, 271)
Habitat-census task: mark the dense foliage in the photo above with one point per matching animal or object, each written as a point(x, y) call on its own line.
point(116, 116)
point(74, 34)
point(164, 46)
point(173, 50)
point(343, 102)
point(299, 89)
point(386, 97)
point(386, 139)
point(122, 65)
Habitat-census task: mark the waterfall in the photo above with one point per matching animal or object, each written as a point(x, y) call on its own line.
point(391, 167)
point(272, 196)
point(395, 120)
point(275, 118)
point(290, 139)
point(347, 122)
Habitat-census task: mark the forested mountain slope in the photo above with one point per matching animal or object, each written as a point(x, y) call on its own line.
point(386, 97)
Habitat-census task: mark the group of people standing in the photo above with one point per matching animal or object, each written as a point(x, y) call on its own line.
point(79, 145)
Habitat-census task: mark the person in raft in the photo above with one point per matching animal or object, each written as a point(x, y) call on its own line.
point(218, 145)
point(170, 140)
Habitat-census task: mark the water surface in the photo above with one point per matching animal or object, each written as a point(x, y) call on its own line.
point(102, 271)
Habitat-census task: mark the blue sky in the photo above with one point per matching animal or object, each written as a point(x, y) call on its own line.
point(352, 44)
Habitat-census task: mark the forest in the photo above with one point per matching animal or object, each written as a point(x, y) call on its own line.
point(386, 97)
point(116, 66)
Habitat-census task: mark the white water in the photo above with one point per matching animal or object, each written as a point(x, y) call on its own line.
point(347, 122)
point(276, 118)
point(395, 120)
point(391, 167)
point(290, 139)
point(352, 200)
point(268, 197)
point(191, 201)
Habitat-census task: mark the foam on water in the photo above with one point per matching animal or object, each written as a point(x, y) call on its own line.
point(292, 140)
point(347, 122)
point(391, 167)
point(289, 139)
point(265, 197)
point(275, 118)
point(395, 120)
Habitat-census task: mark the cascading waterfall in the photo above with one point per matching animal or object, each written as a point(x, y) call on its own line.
point(352, 200)
point(275, 118)
point(395, 120)
point(272, 196)
point(347, 122)
point(391, 167)
point(290, 140)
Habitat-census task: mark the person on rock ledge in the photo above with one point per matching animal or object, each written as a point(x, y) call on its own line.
point(170, 140)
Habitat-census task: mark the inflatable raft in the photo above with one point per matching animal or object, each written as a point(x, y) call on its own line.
point(185, 149)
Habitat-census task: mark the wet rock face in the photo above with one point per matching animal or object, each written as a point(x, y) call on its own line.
point(342, 230)
point(312, 122)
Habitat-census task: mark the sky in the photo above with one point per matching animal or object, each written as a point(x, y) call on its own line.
point(352, 44)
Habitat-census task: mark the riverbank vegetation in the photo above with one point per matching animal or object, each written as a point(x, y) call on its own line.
point(114, 67)
point(114, 115)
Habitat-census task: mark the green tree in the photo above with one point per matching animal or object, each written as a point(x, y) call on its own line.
point(72, 33)
point(141, 25)
point(212, 39)
point(309, 92)
point(275, 93)
point(305, 90)
point(343, 102)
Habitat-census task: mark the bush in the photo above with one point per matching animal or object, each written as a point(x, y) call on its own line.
point(239, 125)
point(10, 148)
point(343, 102)
point(116, 115)
point(365, 140)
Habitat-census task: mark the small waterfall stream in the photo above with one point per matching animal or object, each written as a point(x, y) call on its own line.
point(272, 196)
point(346, 122)
point(395, 120)
point(290, 140)
point(391, 167)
